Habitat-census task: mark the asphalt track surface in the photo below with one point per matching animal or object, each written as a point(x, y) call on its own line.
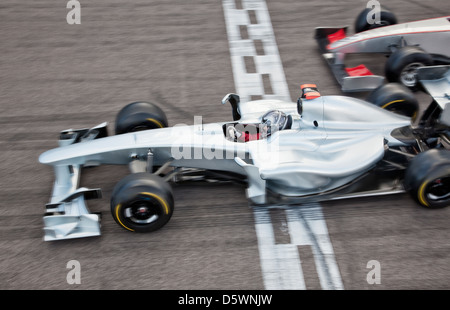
point(55, 76)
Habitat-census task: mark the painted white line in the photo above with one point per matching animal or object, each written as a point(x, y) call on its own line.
point(251, 84)
point(307, 226)
point(280, 263)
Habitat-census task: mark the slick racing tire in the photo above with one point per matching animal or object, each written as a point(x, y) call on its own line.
point(396, 98)
point(142, 202)
point(427, 178)
point(402, 65)
point(386, 18)
point(139, 116)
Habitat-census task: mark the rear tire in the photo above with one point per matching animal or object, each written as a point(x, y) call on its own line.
point(427, 178)
point(139, 116)
point(396, 98)
point(386, 18)
point(142, 202)
point(402, 65)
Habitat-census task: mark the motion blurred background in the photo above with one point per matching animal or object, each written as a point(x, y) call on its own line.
point(55, 76)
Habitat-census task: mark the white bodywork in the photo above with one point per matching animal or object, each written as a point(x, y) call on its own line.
point(431, 35)
point(334, 141)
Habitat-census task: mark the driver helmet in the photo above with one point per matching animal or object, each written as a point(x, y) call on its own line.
point(274, 120)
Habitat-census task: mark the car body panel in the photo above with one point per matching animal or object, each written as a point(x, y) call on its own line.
point(327, 123)
point(431, 35)
point(435, 80)
point(334, 141)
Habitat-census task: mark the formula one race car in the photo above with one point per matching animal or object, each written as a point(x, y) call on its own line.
point(409, 46)
point(320, 148)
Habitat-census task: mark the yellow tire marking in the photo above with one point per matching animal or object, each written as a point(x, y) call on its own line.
point(166, 207)
point(162, 201)
point(118, 218)
point(158, 123)
point(389, 103)
point(421, 194)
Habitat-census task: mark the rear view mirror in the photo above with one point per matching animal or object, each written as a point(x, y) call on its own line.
point(230, 98)
point(234, 100)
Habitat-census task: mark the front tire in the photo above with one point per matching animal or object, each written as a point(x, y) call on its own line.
point(142, 202)
point(139, 116)
point(402, 65)
point(427, 178)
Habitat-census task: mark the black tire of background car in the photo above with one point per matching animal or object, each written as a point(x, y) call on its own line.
point(137, 198)
point(427, 178)
point(138, 116)
point(386, 18)
point(396, 98)
point(401, 59)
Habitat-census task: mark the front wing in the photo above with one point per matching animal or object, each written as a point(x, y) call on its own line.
point(355, 79)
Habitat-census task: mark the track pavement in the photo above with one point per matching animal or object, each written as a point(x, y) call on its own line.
point(56, 76)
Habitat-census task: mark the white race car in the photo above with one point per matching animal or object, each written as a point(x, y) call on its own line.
point(409, 46)
point(319, 148)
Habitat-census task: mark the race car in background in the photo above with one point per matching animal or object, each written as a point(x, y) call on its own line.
point(409, 46)
point(318, 148)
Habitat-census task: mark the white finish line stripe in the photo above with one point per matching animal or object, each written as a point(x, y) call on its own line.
point(280, 263)
point(307, 226)
point(251, 84)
